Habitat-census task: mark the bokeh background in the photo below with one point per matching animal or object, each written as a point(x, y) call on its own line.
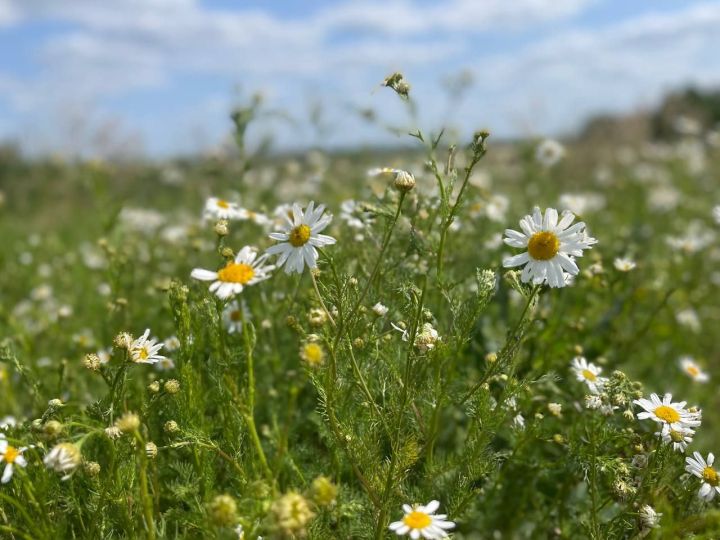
point(157, 78)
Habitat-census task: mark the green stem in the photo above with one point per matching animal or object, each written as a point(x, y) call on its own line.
point(147, 502)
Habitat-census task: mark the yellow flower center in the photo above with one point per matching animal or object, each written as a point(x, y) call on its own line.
point(313, 354)
point(417, 520)
point(236, 273)
point(543, 246)
point(676, 436)
point(710, 476)
point(589, 375)
point(223, 203)
point(693, 371)
point(668, 414)
point(299, 236)
point(143, 353)
point(11, 454)
point(235, 315)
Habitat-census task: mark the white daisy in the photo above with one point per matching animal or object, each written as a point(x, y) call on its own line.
point(624, 264)
point(549, 152)
point(421, 520)
point(216, 208)
point(716, 214)
point(679, 438)
point(233, 316)
point(246, 269)
point(301, 237)
point(551, 246)
point(704, 470)
point(694, 371)
point(666, 411)
point(588, 373)
point(144, 350)
point(12, 457)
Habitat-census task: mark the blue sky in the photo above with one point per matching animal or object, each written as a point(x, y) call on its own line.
point(159, 76)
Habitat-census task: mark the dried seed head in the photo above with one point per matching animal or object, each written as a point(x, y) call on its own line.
point(171, 426)
point(151, 450)
point(221, 228)
point(128, 422)
point(324, 492)
point(172, 386)
point(404, 181)
point(53, 428)
point(223, 511)
point(123, 341)
point(92, 362)
point(91, 468)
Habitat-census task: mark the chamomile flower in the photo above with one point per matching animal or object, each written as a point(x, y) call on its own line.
point(233, 315)
point(144, 350)
point(588, 373)
point(63, 458)
point(549, 152)
point(421, 521)
point(216, 208)
point(551, 247)
point(12, 457)
point(623, 264)
point(704, 470)
point(693, 370)
point(246, 269)
point(678, 438)
point(668, 412)
point(301, 237)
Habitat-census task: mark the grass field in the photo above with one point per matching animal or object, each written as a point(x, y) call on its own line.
point(409, 366)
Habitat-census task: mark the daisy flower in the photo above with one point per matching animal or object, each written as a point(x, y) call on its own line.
point(551, 247)
point(693, 370)
point(422, 521)
point(668, 412)
point(144, 350)
point(704, 470)
point(233, 316)
point(549, 152)
point(246, 269)
point(12, 457)
point(216, 208)
point(588, 373)
point(679, 438)
point(63, 458)
point(301, 237)
point(623, 264)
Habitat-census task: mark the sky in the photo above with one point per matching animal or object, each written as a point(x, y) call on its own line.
point(159, 77)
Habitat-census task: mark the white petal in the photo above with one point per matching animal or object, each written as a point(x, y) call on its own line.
point(203, 275)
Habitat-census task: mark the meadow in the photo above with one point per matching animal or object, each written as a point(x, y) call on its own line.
point(364, 344)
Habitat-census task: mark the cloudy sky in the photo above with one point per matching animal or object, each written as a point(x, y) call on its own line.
point(161, 75)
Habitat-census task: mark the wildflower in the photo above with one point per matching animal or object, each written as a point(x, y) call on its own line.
point(348, 213)
point(425, 338)
point(172, 386)
point(221, 209)
point(92, 468)
point(246, 269)
point(223, 510)
point(128, 422)
point(589, 373)
point(233, 315)
point(151, 450)
point(649, 518)
point(123, 340)
point(555, 409)
point(679, 438)
point(693, 370)
point(312, 354)
point(665, 411)
point(551, 246)
point(113, 432)
point(324, 491)
point(299, 240)
point(221, 228)
point(624, 264)
point(171, 426)
point(422, 521)
point(12, 457)
point(292, 514)
point(689, 317)
point(519, 421)
point(716, 214)
point(549, 152)
point(92, 362)
point(145, 350)
point(379, 309)
point(172, 343)
point(704, 470)
point(580, 204)
point(63, 458)
point(166, 364)
point(317, 317)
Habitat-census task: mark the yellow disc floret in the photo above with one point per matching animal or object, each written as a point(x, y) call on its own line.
point(236, 273)
point(710, 476)
point(417, 520)
point(223, 204)
point(668, 414)
point(589, 375)
point(543, 246)
point(299, 236)
point(11, 454)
